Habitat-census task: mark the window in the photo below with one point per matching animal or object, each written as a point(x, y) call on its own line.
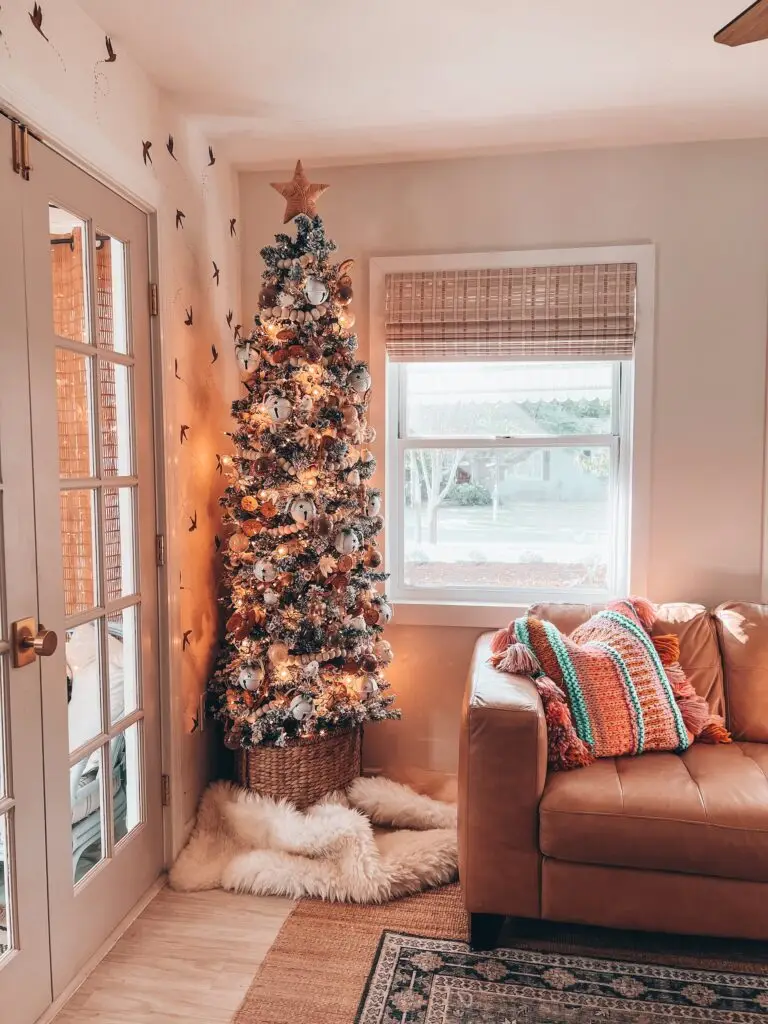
point(512, 407)
point(508, 477)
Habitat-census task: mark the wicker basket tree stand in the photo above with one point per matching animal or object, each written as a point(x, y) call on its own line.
point(304, 770)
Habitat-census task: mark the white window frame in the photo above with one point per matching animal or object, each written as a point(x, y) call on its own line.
point(631, 430)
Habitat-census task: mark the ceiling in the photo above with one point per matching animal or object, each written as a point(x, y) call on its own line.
point(342, 82)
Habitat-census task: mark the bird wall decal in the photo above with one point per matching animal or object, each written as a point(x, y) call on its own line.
point(219, 465)
point(183, 433)
point(236, 335)
point(217, 541)
point(216, 272)
point(186, 639)
point(169, 147)
point(232, 228)
point(211, 157)
point(146, 156)
point(176, 373)
point(188, 319)
point(36, 17)
point(214, 354)
point(180, 215)
point(192, 522)
point(230, 314)
point(111, 55)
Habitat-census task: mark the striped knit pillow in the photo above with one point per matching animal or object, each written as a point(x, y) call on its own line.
point(625, 691)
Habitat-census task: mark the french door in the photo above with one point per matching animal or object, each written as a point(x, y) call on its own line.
point(82, 810)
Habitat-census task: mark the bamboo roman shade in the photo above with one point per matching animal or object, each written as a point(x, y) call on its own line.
point(586, 311)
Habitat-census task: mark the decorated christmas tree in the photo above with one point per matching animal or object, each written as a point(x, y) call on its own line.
point(303, 653)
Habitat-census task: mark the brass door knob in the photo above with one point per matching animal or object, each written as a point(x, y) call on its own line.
point(31, 641)
point(44, 644)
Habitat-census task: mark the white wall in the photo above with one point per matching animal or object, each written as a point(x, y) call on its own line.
point(102, 113)
point(705, 206)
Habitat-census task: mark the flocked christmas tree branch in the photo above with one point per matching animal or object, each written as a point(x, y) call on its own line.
point(303, 652)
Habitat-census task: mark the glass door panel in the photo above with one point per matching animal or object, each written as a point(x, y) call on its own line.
point(95, 532)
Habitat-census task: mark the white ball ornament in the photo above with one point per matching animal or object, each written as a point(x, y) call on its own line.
point(303, 510)
point(246, 356)
point(251, 676)
point(385, 614)
point(373, 504)
point(285, 300)
point(271, 598)
point(369, 687)
point(353, 477)
point(346, 542)
point(382, 652)
point(357, 623)
point(278, 409)
point(359, 380)
point(264, 571)
point(301, 708)
point(316, 291)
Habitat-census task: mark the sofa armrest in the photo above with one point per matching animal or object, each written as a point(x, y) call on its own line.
point(502, 771)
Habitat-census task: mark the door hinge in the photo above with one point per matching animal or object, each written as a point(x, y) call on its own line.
point(160, 548)
point(165, 784)
point(153, 307)
point(20, 149)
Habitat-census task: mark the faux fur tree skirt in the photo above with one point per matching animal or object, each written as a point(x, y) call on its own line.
point(248, 843)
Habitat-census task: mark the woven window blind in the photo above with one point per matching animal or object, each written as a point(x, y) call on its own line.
point(571, 312)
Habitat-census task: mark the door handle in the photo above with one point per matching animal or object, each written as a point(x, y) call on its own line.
point(31, 640)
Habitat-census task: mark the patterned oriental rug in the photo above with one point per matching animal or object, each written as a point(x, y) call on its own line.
point(434, 981)
point(407, 962)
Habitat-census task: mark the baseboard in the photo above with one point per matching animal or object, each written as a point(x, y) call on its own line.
point(58, 1004)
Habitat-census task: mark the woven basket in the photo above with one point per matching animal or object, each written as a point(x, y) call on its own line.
point(303, 770)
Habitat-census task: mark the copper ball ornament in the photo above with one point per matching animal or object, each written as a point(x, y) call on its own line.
point(346, 563)
point(268, 297)
point(344, 294)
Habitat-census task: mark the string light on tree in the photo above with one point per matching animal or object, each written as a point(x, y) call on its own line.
point(303, 653)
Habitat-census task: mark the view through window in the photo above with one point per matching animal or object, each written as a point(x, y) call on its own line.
point(508, 478)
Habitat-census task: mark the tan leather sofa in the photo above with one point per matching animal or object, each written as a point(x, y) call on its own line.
point(660, 842)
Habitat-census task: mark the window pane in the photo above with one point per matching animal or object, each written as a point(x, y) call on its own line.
point(119, 548)
point(507, 399)
point(68, 275)
point(87, 789)
point(512, 518)
point(83, 683)
point(116, 419)
point(126, 780)
point(6, 853)
point(111, 293)
point(74, 410)
point(78, 548)
point(123, 630)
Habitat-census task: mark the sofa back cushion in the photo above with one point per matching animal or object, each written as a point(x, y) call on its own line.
point(692, 623)
point(743, 633)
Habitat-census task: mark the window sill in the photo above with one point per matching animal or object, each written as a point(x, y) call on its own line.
point(453, 613)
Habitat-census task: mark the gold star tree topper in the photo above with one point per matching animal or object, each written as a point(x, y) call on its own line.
point(300, 194)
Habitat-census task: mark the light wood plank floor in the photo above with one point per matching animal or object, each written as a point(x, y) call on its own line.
point(187, 957)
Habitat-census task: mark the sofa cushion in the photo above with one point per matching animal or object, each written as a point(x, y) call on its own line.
point(694, 626)
point(743, 634)
point(701, 812)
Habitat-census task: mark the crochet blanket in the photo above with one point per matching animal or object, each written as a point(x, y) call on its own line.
point(610, 688)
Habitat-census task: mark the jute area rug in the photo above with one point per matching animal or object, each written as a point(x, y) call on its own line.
point(341, 964)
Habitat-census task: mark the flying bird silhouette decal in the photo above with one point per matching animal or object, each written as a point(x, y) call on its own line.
point(145, 154)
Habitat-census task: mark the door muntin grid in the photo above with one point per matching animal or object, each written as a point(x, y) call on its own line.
point(102, 593)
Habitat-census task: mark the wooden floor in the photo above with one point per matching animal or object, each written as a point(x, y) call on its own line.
point(188, 957)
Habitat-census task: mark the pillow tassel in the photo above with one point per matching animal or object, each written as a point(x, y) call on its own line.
point(715, 731)
point(565, 750)
point(517, 659)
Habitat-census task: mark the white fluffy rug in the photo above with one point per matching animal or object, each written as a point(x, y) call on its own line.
point(249, 843)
